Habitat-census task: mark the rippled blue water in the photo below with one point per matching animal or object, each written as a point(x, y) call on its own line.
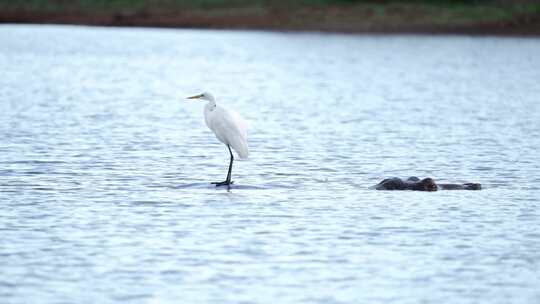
point(104, 168)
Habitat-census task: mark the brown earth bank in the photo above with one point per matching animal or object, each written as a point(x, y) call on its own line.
point(348, 19)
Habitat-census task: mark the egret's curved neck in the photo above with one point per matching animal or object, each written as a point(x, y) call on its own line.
point(211, 105)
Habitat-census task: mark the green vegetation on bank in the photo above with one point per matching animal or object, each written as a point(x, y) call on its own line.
point(521, 5)
point(338, 15)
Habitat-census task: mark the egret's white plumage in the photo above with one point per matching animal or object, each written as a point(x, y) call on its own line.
point(228, 126)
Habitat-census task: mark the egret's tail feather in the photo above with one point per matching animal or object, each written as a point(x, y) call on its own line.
point(242, 151)
point(240, 146)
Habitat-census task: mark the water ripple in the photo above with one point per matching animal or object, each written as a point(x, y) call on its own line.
point(105, 172)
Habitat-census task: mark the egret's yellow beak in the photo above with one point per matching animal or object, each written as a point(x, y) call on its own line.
point(195, 97)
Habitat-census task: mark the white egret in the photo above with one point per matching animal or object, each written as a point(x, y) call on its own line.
point(229, 128)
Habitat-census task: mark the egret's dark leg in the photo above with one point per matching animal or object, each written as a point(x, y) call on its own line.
point(228, 180)
point(230, 165)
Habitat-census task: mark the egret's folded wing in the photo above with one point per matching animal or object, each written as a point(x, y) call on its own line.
point(231, 129)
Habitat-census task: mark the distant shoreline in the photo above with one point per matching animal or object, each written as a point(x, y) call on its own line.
point(361, 18)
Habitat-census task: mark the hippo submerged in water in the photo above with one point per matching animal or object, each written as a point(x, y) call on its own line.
point(426, 184)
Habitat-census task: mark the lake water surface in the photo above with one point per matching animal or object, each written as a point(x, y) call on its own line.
point(105, 168)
